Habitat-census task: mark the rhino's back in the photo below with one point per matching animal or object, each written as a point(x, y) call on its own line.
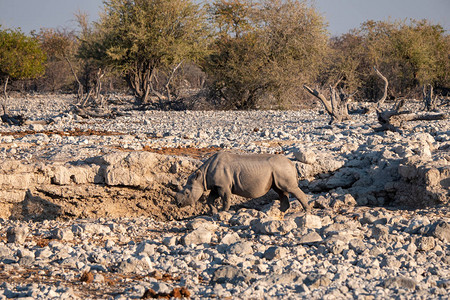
point(252, 158)
point(247, 165)
point(236, 160)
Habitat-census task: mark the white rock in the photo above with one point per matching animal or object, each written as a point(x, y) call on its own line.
point(241, 248)
point(309, 221)
point(17, 234)
point(305, 156)
point(275, 252)
point(198, 236)
point(271, 226)
point(311, 237)
point(95, 228)
point(230, 238)
point(146, 248)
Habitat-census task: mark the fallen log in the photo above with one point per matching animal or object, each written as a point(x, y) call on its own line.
point(89, 112)
point(18, 120)
point(394, 119)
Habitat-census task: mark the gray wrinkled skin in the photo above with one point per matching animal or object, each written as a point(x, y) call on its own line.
point(249, 175)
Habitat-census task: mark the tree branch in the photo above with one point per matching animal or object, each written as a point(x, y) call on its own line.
point(72, 69)
point(321, 97)
point(5, 94)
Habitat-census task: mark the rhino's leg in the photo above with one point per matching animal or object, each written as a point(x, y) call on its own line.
point(213, 195)
point(284, 201)
point(225, 194)
point(287, 182)
point(298, 193)
point(284, 198)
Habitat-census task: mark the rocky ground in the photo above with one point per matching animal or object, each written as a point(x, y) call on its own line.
point(88, 209)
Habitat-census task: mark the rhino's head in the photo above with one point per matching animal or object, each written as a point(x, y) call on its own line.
point(192, 191)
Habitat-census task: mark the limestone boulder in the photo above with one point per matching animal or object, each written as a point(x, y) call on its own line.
point(273, 226)
point(83, 174)
point(129, 169)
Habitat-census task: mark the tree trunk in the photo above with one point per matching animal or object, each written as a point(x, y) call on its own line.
point(98, 87)
point(169, 79)
point(429, 100)
point(140, 81)
point(386, 84)
point(80, 91)
point(6, 118)
point(84, 101)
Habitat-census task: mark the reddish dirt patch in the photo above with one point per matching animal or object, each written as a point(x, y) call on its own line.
point(176, 293)
point(87, 277)
point(164, 277)
point(197, 153)
point(76, 132)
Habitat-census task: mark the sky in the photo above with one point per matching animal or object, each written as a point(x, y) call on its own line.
point(341, 15)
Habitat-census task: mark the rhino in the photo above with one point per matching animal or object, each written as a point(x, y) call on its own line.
point(246, 175)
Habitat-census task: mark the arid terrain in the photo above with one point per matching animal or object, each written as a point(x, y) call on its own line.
point(88, 207)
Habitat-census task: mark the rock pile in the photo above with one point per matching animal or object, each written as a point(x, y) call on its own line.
point(243, 254)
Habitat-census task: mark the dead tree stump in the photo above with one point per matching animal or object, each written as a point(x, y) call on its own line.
point(429, 100)
point(391, 119)
point(395, 118)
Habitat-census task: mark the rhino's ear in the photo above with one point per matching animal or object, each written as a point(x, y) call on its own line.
point(198, 174)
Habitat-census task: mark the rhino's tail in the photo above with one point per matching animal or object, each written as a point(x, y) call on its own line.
point(296, 173)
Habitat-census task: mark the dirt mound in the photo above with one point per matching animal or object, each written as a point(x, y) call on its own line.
point(96, 201)
point(121, 184)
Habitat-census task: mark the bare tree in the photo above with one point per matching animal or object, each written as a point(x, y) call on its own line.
point(93, 104)
point(169, 79)
point(337, 106)
point(377, 105)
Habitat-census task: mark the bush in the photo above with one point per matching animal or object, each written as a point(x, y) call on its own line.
point(264, 51)
point(410, 55)
point(20, 58)
point(60, 47)
point(147, 40)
